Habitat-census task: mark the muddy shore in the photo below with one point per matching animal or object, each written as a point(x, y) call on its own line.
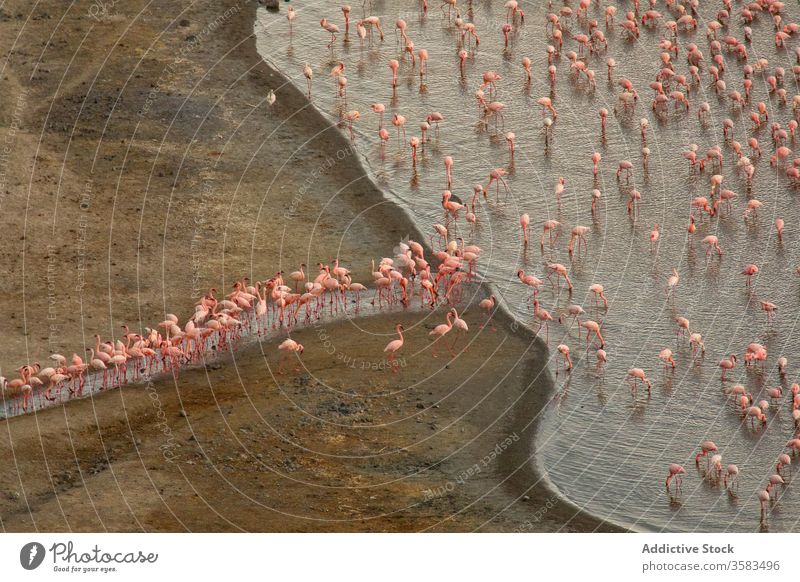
point(142, 172)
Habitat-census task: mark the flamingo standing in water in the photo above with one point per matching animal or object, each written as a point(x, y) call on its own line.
point(563, 349)
point(727, 364)
point(706, 447)
point(488, 306)
point(784, 460)
point(749, 272)
point(602, 359)
point(763, 498)
point(592, 327)
point(544, 317)
point(675, 472)
point(672, 282)
point(731, 478)
point(666, 356)
point(524, 222)
point(636, 375)
point(394, 65)
point(597, 291)
point(331, 28)
point(550, 229)
point(290, 16)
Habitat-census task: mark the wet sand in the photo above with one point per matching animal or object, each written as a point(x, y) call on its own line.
point(172, 182)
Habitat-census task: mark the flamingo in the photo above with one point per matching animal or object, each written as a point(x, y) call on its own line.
point(727, 364)
point(440, 331)
point(488, 305)
point(675, 472)
point(394, 346)
point(286, 347)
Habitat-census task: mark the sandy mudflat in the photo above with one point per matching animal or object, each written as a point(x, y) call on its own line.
point(142, 167)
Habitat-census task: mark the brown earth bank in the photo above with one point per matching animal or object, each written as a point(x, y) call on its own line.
point(139, 165)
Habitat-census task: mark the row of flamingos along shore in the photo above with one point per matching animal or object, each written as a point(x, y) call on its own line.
point(218, 324)
point(673, 94)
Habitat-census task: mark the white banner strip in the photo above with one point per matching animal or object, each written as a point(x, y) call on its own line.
point(401, 557)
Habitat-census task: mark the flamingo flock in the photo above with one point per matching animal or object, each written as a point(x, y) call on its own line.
point(698, 59)
point(219, 323)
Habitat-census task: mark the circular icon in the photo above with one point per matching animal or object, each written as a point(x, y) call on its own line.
point(31, 555)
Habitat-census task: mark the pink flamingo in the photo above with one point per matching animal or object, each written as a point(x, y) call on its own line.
point(423, 63)
point(461, 328)
point(727, 364)
point(636, 375)
point(496, 176)
point(551, 229)
point(560, 271)
point(506, 28)
point(440, 331)
point(448, 168)
point(547, 105)
point(597, 290)
point(533, 282)
point(394, 65)
point(731, 477)
point(331, 28)
point(526, 64)
point(346, 11)
point(763, 498)
point(524, 221)
point(578, 233)
point(665, 356)
point(435, 118)
point(712, 244)
point(706, 447)
point(596, 157)
point(592, 327)
point(544, 317)
point(675, 472)
point(399, 121)
point(308, 73)
point(770, 309)
point(749, 272)
point(510, 139)
point(394, 346)
point(784, 460)
point(563, 349)
point(779, 225)
point(488, 305)
point(602, 359)
point(379, 109)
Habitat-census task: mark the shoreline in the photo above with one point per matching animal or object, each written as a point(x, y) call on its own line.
point(538, 399)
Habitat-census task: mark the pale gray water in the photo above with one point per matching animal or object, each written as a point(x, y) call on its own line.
point(605, 450)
